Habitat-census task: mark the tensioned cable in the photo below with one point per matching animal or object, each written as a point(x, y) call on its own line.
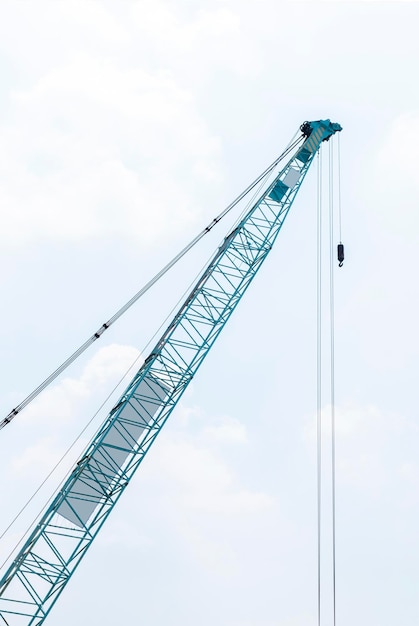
point(332, 370)
point(139, 294)
point(319, 378)
point(124, 376)
point(339, 193)
point(248, 204)
point(331, 195)
point(66, 453)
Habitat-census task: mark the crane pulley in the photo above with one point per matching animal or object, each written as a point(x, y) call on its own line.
point(55, 547)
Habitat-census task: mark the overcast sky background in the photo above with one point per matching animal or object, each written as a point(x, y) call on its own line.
point(125, 127)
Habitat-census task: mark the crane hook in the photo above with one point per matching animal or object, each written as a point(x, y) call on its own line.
point(341, 254)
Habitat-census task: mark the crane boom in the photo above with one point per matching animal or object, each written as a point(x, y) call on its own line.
point(67, 528)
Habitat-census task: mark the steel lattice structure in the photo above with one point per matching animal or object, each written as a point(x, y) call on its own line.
point(57, 544)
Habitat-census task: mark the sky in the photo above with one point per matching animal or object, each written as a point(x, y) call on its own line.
point(125, 127)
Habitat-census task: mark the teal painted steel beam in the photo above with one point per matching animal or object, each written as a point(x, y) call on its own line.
point(57, 544)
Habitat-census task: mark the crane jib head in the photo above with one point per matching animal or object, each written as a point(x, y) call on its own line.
point(323, 128)
point(315, 133)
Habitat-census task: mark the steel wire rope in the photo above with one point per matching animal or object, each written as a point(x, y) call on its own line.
point(95, 415)
point(331, 194)
point(5, 421)
point(319, 378)
point(97, 412)
point(339, 193)
point(250, 201)
point(332, 368)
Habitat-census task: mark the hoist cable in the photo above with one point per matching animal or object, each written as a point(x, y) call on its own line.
point(339, 193)
point(332, 370)
point(321, 293)
point(319, 379)
point(294, 142)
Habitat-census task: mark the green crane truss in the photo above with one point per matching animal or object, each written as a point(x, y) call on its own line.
point(65, 531)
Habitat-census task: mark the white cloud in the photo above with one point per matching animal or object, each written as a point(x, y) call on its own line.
point(349, 421)
point(122, 532)
point(52, 422)
point(108, 111)
point(227, 430)
point(198, 41)
point(198, 490)
point(43, 455)
point(370, 446)
point(395, 182)
point(96, 147)
point(201, 480)
point(62, 401)
point(91, 18)
point(109, 364)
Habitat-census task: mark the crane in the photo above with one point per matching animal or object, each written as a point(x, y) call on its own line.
point(56, 545)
